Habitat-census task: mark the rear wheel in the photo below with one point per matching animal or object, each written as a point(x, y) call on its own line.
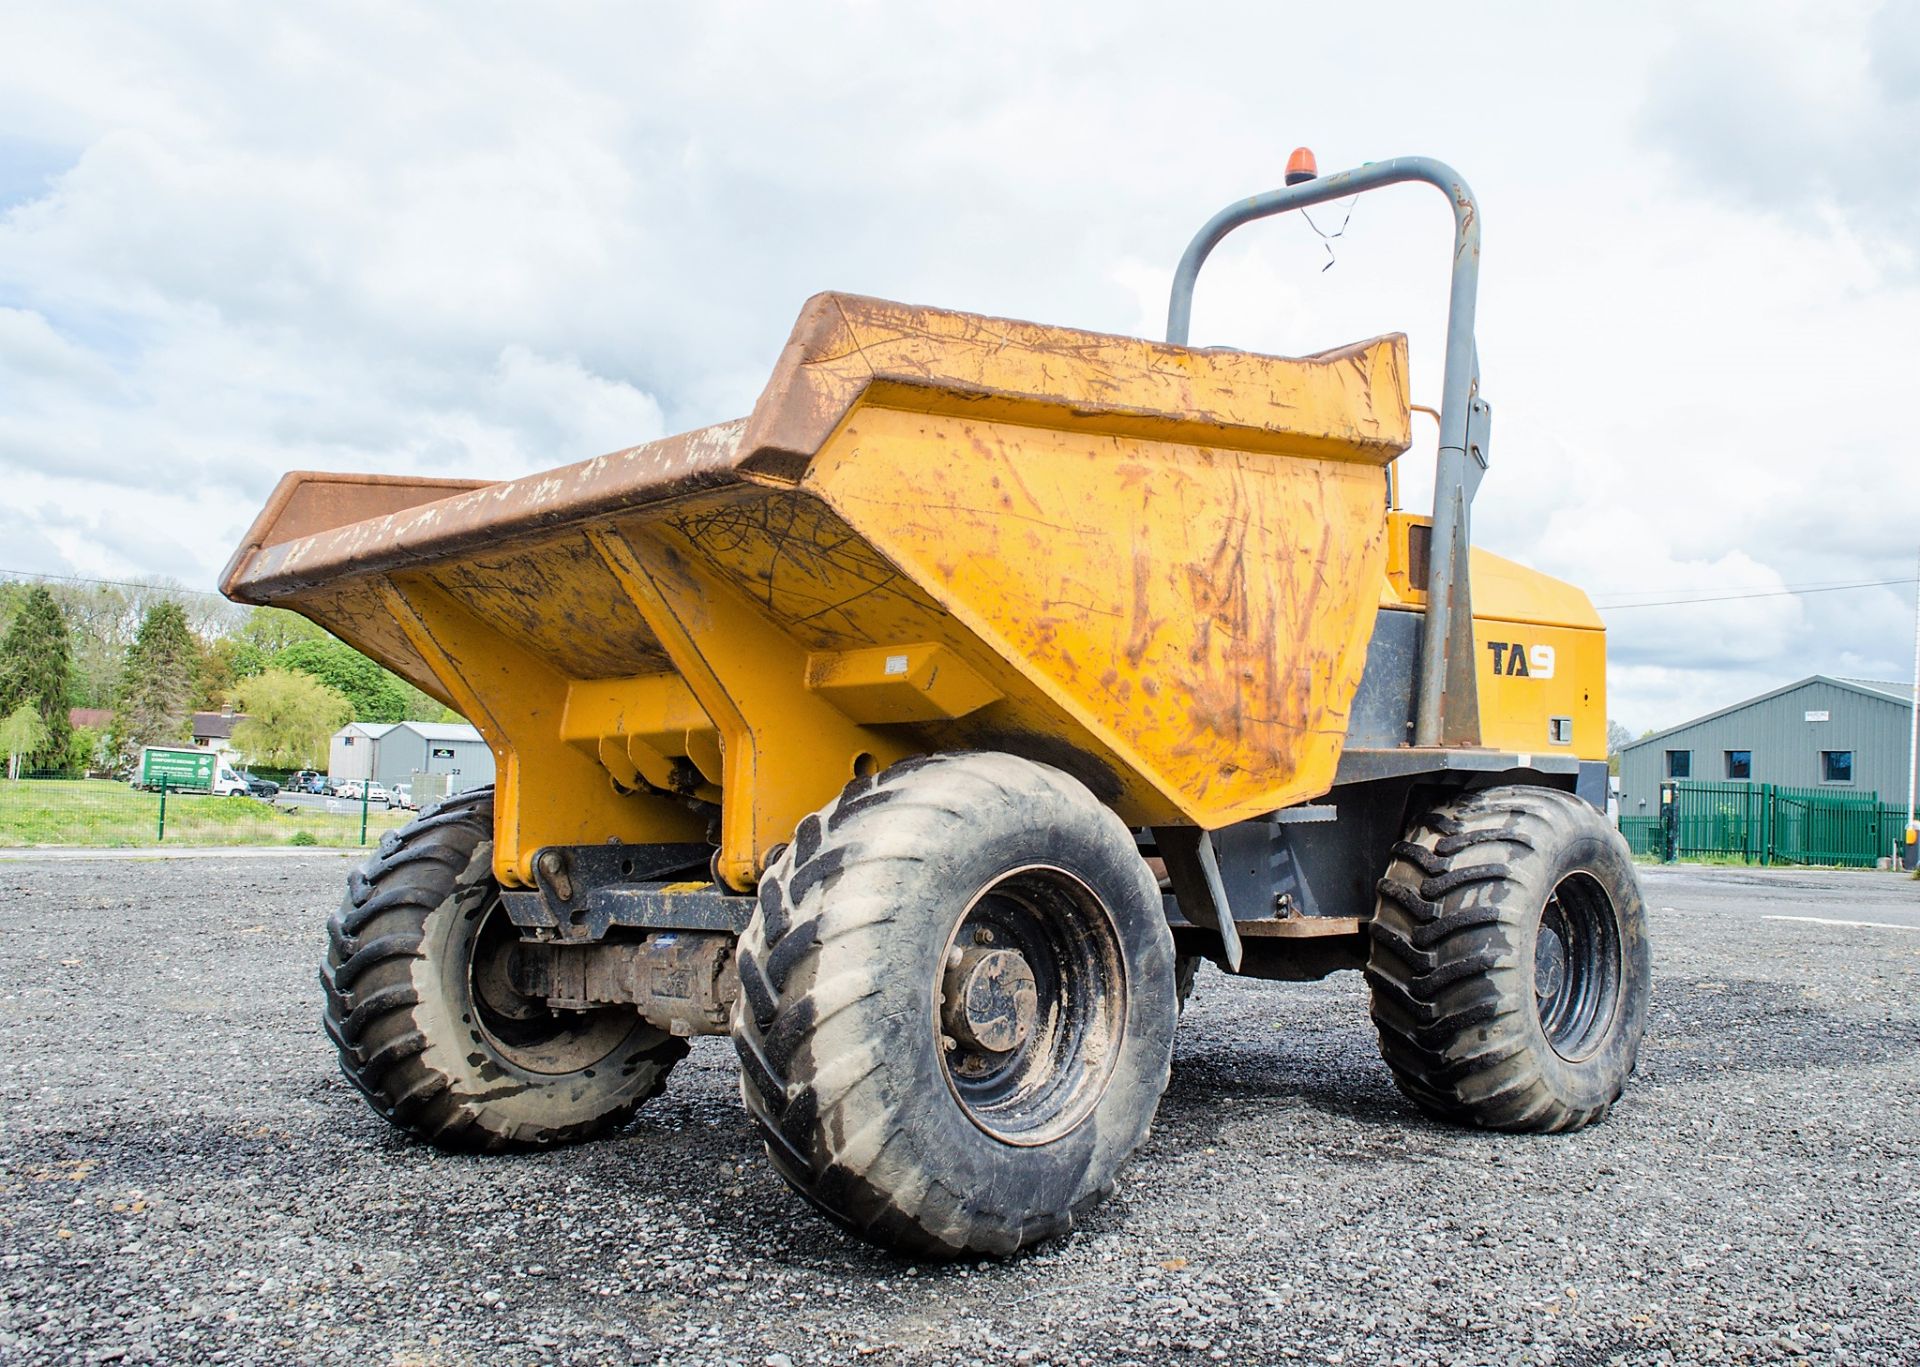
point(957, 1005)
point(1509, 965)
point(421, 1005)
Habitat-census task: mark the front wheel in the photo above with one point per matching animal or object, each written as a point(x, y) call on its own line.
point(957, 1005)
point(1510, 967)
point(420, 1002)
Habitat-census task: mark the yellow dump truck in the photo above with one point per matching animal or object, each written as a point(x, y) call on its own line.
point(925, 728)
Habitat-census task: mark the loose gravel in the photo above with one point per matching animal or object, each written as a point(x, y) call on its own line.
point(184, 1176)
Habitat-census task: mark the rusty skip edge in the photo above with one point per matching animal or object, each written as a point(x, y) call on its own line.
point(318, 528)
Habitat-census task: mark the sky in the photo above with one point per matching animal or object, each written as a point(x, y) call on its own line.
point(483, 240)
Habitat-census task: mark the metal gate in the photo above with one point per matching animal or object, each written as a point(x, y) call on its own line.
point(1764, 823)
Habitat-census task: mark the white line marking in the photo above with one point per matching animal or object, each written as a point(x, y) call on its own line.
point(1829, 921)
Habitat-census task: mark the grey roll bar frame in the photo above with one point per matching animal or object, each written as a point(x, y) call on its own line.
point(1447, 708)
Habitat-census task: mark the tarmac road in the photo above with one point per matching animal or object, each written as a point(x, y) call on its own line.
point(184, 1176)
point(329, 804)
point(1791, 895)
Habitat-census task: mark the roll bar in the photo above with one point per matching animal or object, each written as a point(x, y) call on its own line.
point(1447, 709)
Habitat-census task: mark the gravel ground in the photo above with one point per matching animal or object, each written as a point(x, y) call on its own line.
point(185, 1177)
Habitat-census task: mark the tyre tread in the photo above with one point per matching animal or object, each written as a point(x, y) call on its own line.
point(1445, 986)
point(792, 1101)
point(383, 922)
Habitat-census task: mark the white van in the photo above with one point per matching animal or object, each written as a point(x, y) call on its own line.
point(186, 769)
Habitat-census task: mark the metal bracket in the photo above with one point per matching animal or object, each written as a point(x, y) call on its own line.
point(586, 889)
point(1194, 869)
point(1479, 437)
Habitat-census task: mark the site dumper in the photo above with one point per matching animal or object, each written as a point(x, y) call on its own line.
point(925, 728)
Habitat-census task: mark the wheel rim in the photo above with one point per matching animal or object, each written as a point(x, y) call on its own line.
point(1029, 1005)
point(1576, 966)
point(523, 1030)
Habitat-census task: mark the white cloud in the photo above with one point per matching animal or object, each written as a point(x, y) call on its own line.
point(579, 411)
point(1813, 113)
point(409, 238)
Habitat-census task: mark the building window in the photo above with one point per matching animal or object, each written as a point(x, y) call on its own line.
point(1739, 764)
point(346, 740)
point(1679, 764)
point(1836, 766)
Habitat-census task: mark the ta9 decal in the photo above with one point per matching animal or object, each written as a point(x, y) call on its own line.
point(1514, 659)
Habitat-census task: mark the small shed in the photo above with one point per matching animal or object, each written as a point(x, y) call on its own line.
point(435, 759)
point(353, 751)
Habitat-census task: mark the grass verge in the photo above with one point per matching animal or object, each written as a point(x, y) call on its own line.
point(103, 813)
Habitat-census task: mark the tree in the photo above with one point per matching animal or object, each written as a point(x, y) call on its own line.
point(272, 630)
point(85, 749)
point(376, 694)
point(206, 614)
point(12, 593)
point(224, 665)
point(36, 669)
point(103, 623)
point(104, 619)
point(422, 706)
point(1618, 739)
point(289, 718)
point(158, 684)
point(22, 734)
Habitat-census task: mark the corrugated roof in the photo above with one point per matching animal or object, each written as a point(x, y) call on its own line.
point(375, 729)
point(442, 730)
point(1899, 692)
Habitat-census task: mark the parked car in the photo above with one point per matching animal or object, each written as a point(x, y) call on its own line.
point(402, 798)
point(377, 794)
point(263, 788)
point(307, 781)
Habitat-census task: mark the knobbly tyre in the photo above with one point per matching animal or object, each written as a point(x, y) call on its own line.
point(923, 729)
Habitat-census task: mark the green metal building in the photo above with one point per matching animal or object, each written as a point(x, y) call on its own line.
point(1844, 736)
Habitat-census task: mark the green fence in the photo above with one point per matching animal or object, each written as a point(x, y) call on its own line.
point(54, 810)
point(1643, 836)
point(1764, 823)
